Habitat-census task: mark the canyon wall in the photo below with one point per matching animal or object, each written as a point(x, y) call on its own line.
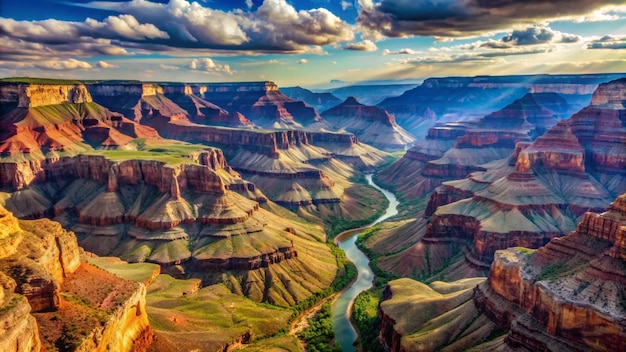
point(570, 291)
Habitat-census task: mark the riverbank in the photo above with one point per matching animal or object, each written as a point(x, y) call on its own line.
point(345, 333)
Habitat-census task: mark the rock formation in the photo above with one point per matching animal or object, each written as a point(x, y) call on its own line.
point(568, 294)
point(55, 118)
point(539, 193)
point(565, 296)
point(454, 150)
point(41, 274)
point(372, 125)
point(261, 102)
point(577, 166)
point(320, 101)
point(436, 317)
point(201, 111)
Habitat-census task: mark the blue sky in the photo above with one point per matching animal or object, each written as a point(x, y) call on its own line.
point(308, 42)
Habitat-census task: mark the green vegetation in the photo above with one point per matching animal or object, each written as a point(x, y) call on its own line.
point(365, 318)
point(524, 250)
point(171, 154)
point(320, 333)
point(551, 272)
point(382, 277)
point(71, 338)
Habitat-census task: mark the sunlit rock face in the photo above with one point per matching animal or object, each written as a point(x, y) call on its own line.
point(567, 293)
point(199, 110)
point(42, 118)
point(565, 296)
point(371, 124)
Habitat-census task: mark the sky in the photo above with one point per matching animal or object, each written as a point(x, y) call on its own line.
point(310, 43)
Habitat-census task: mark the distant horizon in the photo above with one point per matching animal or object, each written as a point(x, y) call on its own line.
point(309, 43)
point(405, 81)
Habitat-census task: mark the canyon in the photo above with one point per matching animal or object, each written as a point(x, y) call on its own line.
point(564, 296)
point(228, 192)
point(43, 277)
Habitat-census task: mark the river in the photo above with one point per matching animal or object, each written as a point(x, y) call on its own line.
point(344, 331)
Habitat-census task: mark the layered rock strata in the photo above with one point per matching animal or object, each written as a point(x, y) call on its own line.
point(54, 118)
point(567, 295)
point(263, 103)
point(454, 150)
point(372, 125)
point(440, 316)
point(576, 166)
point(42, 280)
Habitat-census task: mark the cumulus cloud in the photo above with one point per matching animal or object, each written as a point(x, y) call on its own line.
point(179, 27)
point(303, 61)
point(608, 42)
point(453, 18)
point(207, 65)
point(346, 4)
point(404, 51)
point(104, 64)
point(366, 45)
point(275, 26)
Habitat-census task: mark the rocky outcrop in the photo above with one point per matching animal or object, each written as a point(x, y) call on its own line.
point(565, 296)
point(31, 95)
point(171, 179)
point(454, 150)
point(45, 256)
point(372, 125)
point(568, 293)
point(19, 331)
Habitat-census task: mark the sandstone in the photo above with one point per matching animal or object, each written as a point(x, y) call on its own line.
point(563, 288)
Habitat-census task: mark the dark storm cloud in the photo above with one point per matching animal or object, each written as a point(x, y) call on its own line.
point(449, 18)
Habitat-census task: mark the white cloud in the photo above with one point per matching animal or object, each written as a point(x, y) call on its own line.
point(346, 4)
point(366, 45)
point(303, 61)
point(403, 51)
point(207, 65)
point(104, 64)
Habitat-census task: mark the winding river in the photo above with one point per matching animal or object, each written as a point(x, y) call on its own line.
point(345, 333)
